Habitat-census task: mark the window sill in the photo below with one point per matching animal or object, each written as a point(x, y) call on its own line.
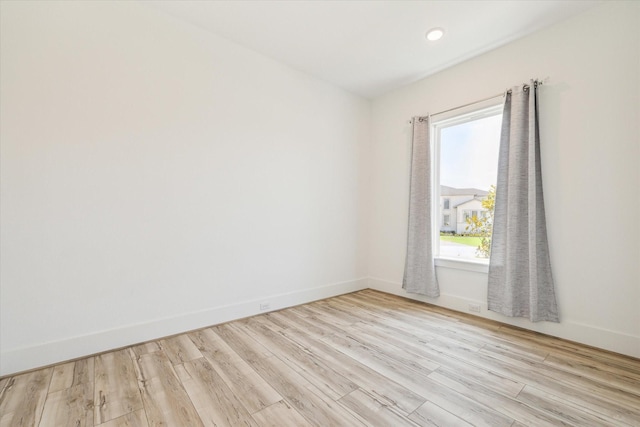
point(463, 264)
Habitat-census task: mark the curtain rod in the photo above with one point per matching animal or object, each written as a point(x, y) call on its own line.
point(535, 82)
point(461, 106)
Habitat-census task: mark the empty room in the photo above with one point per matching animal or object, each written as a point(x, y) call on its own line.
point(319, 213)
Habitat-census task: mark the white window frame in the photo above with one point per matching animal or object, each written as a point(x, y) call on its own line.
point(459, 116)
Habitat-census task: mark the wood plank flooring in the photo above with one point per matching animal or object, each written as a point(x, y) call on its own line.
point(363, 359)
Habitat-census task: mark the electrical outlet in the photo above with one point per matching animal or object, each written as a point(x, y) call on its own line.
point(265, 306)
point(474, 308)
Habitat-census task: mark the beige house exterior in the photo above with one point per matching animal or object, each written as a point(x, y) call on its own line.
point(458, 204)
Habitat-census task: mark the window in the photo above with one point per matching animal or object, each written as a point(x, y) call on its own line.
point(469, 215)
point(466, 166)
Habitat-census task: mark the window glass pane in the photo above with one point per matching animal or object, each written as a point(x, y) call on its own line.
point(468, 164)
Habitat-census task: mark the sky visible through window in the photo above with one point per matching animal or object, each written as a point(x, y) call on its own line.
point(469, 153)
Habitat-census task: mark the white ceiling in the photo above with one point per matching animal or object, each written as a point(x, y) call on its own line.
point(371, 47)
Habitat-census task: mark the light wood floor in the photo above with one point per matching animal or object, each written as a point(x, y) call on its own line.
point(360, 359)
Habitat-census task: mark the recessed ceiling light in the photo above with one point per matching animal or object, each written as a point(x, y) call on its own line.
point(435, 34)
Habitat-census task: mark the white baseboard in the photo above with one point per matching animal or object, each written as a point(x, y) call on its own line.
point(573, 331)
point(50, 353)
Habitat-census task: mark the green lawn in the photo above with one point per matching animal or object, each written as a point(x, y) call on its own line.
point(463, 240)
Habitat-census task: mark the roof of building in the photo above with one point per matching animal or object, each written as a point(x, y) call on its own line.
point(475, 199)
point(451, 191)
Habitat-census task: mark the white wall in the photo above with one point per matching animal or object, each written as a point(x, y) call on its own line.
point(156, 178)
point(590, 149)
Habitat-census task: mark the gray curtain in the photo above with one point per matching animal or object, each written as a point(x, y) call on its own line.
point(419, 270)
point(520, 281)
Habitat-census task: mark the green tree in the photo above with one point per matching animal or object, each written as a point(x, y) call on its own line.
point(483, 226)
